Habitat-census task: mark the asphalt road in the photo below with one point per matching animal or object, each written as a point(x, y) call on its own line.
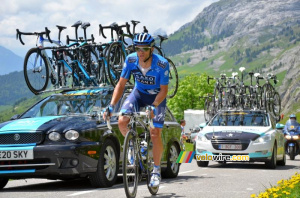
point(217, 180)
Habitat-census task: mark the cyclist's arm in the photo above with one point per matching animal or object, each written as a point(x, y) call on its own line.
point(161, 95)
point(118, 92)
point(164, 81)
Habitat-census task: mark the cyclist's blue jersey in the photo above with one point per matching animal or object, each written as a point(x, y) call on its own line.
point(156, 76)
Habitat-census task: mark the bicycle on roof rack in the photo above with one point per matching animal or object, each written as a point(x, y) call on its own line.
point(37, 63)
point(117, 50)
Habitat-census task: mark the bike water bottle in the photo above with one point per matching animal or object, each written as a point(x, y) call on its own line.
point(144, 149)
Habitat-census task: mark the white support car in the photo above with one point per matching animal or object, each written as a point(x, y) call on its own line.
point(250, 133)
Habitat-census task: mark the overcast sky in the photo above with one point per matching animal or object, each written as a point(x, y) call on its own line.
point(35, 15)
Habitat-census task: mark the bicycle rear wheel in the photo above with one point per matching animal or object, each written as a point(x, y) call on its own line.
point(276, 105)
point(36, 71)
point(173, 79)
point(115, 62)
point(130, 164)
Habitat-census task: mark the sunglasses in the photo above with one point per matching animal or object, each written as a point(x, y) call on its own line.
point(143, 49)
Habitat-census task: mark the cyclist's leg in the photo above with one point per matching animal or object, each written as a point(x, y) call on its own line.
point(131, 104)
point(158, 123)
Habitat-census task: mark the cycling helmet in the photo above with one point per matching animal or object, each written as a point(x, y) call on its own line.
point(293, 116)
point(143, 39)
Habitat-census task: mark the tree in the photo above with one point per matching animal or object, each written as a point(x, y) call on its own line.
point(187, 96)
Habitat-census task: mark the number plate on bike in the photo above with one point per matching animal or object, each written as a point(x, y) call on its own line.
point(230, 146)
point(16, 154)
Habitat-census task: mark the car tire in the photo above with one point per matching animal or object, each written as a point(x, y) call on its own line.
point(108, 156)
point(3, 182)
point(272, 163)
point(172, 169)
point(283, 161)
point(202, 163)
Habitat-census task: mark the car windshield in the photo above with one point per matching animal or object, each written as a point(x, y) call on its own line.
point(236, 118)
point(69, 104)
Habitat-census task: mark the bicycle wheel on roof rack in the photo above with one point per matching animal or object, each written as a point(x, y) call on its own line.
point(115, 62)
point(36, 72)
point(173, 79)
point(157, 50)
point(276, 104)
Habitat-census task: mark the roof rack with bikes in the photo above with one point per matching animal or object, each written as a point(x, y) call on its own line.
point(232, 93)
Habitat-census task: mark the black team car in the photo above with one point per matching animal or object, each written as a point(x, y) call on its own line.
point(64, 136)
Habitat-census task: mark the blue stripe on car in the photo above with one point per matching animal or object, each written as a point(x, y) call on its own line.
point(16, 148)
point(29, 123)
point(17, 145)
point(18, 171)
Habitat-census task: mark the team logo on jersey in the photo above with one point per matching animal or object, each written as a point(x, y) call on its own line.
point(147, 80)
point(166, 73)
point(162, 64)
point(131, 59)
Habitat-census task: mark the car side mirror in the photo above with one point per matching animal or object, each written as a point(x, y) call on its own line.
point(279, 126)
point(15, 117)
point(202, 125)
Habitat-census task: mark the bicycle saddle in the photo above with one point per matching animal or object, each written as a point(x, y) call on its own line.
point(162, 37)
point(85, 25)
point(78, 23)
point(60, 28)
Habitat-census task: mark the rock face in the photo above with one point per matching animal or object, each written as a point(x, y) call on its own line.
point(228, 25)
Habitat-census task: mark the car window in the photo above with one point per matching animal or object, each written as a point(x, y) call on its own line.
point(240, 119)
point(68, 104)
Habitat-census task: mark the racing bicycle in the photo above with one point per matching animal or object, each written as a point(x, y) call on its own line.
point(137, 162)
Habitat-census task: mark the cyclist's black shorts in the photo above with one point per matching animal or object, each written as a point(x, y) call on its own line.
point(137, 100)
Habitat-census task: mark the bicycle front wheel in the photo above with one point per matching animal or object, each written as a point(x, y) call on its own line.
point(36, 71)
point(130, 165)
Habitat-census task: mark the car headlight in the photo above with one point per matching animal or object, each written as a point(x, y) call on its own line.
point(72, 135)
point(201, 137)
point(264, 138)
point(54, 136)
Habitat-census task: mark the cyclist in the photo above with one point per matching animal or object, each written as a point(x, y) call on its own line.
point(151, 74)
point(291, 122)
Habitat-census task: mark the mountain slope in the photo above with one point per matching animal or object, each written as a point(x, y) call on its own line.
point(260, 35)
point(9, 61)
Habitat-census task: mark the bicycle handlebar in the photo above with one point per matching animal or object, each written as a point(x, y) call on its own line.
point(19, 34)
point(48, 34)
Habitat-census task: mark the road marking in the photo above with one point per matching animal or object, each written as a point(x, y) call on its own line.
point(90, 191)
point(249, 188)
point(186, 172)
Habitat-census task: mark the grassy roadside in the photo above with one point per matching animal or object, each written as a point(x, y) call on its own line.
point(284, 188)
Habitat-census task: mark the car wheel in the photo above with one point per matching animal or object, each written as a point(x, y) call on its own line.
point(172, 167)
point(272, 163)
point(3, 182)
point(202, 163)
point(108, 166)
point(283, 161)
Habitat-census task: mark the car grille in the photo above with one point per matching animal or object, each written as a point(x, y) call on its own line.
point(217, 142)
point(21, 138)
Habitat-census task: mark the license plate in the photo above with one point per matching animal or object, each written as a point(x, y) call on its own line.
point(230, 146)
point(16, 155)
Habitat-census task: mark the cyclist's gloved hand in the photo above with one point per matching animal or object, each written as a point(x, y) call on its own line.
point(110, 108)
point(153, 108)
